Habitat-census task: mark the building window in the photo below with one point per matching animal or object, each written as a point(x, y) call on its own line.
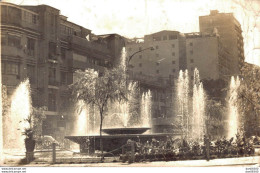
point(156, 38)
point(191, 52)
point(3, 39)
point(52, 76)
point(29, 17)
point(3, 67)
point(66, 30)
point(173, 53)
point(30, 46)
point(14, 41)
point(10, 68)
point(63, 53)
point(140, 56)
point(157, 71)
point(31, 73)
point(157, 63)
point(173, 62)
point(52, 50)
point(192, 68)
point(173, 70)
point(63, 77)
point(140, 72)
point(140, 65)
point(157, 47)
point(172, 37)
point(191, 61)
point(52, 100)
point(191, 44)
point(173, 45)
point(165, 37)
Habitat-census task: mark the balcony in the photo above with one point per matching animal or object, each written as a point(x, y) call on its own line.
point(82, 43)
point(53, 82)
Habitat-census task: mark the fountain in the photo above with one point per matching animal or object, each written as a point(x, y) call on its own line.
point(123, 121)
point(198, 118)
point(183, 100)
point(233, 114)
point(192, 117)
point(146, 113)
point(13, 121)
point(82, 119)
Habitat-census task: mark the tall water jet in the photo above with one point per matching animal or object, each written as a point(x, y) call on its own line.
point(121, 114)
point(233, 114)
point(14, 121)
point(198, 126)
point(183, 100)
point(123, 60)
point(146, 105)
point(82, 122)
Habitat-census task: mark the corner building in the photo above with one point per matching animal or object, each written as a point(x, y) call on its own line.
point(40, 44)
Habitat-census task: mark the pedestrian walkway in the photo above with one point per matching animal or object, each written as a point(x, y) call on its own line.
point(253, 161)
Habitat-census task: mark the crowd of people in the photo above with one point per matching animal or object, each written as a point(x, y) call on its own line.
point(181, 149)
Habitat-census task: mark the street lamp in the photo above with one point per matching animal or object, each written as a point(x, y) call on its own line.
point(149, 48)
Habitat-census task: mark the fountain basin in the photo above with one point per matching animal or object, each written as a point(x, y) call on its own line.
point(133, 130)
point(88, 144)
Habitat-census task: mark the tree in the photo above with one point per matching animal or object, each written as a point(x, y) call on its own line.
point(99, 89)
point(249, 98)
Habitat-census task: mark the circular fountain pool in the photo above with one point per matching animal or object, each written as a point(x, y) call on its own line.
point(132, 130)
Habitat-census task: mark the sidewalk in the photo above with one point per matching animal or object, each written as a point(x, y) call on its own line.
point(242, 161)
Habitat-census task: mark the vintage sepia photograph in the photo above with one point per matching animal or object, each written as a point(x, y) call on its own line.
point(130, 83)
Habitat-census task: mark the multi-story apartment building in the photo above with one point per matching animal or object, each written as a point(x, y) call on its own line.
point(156, 69)
point(230, 33)
point(40, 44)
point(174, 51)
point(210, 51)
point(206, 53)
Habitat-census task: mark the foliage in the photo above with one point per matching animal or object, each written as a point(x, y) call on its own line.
point(249, 98)
point(215, 121)
point(99, 89)
point(35, 120)
point(216, 89)
point(5, 101)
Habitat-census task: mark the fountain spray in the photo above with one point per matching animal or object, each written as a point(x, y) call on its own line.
point(233, 114)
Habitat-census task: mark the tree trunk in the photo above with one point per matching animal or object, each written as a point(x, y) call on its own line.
point(101, 140)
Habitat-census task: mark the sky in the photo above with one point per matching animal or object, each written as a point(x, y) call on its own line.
point(136, 18)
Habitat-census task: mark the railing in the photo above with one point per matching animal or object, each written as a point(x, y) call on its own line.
point(82, 42)
point(53, 82)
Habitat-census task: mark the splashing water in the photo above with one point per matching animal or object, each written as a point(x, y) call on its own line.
point(233, 114)
point(82, 119)
point(146, 105)
point(192, 122)
point(198, 107)
point(183, 100)
point(14, 122)
point(121, 114)
point(124, 113)
point(123, 59)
